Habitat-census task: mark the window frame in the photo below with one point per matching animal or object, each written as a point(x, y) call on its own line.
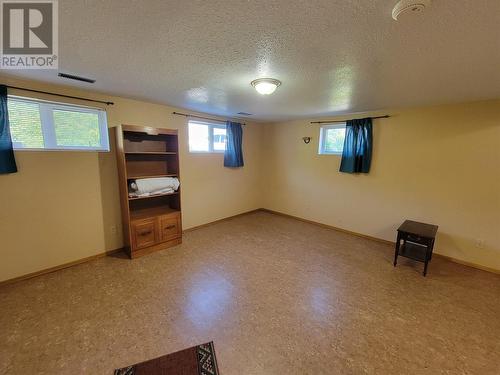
point(211, 127)
point(46, 110)
point(322, 138)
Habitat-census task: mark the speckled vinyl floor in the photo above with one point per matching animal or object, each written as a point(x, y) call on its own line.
point(276, 295)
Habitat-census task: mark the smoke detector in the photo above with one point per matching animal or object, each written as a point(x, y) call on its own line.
point(409, 6)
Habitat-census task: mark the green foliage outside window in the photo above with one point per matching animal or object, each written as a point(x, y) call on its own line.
point(25, 124)
point(334, 140)
point(76, 128)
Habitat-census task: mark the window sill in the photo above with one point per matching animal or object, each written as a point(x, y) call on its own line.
point(206, 152)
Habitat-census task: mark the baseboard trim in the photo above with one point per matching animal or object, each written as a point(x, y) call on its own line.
point(60, 267)
point(468, 264)
point(111, 252)
point(106, 253)
point(392, 243)
point(221, 220)
point(329, 227)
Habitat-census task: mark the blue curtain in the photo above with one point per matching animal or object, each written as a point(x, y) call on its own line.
point(357, 153)
point(7, 160)
point(233, 156)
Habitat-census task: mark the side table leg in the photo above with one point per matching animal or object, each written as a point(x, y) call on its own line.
point(427, 258)
point(396, 253)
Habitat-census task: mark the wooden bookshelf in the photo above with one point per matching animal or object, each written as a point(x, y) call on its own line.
point(153, 222)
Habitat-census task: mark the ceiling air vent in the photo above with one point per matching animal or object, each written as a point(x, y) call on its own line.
point(244, 114)
point(76, 78)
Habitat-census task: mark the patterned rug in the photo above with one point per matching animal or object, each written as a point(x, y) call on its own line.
point(198, 360)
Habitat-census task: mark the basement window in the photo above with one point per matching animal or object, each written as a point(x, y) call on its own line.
point(206, 136)
point(331, 139)
point(51, 126)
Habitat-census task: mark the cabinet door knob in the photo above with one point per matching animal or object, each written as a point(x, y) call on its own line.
point(170, 226)
point(145, 233)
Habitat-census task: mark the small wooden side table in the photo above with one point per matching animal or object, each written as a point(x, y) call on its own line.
point(418, 242)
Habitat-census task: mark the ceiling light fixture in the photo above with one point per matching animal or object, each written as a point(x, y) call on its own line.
point(265, 86)
point(407, 6)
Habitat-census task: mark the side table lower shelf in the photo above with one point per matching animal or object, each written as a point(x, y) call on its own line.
point(413, 251)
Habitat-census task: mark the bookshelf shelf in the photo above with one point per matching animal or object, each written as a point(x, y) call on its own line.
point(152, 196)
point(149, 153)
point(151, 176)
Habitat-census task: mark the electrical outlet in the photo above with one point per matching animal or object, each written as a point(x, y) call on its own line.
point(479, 243)
point(113, 229)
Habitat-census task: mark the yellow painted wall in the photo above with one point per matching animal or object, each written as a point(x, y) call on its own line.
point(61, 206)
point(439, 165)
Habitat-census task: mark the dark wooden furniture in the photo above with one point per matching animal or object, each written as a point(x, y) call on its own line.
point(418, 242)
point(154, 222)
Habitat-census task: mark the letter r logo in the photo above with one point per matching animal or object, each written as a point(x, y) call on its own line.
point(27, 27)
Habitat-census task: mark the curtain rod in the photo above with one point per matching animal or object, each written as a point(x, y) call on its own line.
point(61, 95)
point(335, 121)
point(201, 117)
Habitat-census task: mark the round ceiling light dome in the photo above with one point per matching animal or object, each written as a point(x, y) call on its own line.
point(265, 86)
point(409, 6)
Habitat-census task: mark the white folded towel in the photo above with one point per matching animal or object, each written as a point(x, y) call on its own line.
point(156, 192)
point(154, 185)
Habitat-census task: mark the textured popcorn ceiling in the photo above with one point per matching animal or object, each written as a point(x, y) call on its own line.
point(333, 56)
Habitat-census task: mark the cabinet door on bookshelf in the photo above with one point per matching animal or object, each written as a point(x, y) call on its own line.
point(169, 227)
point(144, 233)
